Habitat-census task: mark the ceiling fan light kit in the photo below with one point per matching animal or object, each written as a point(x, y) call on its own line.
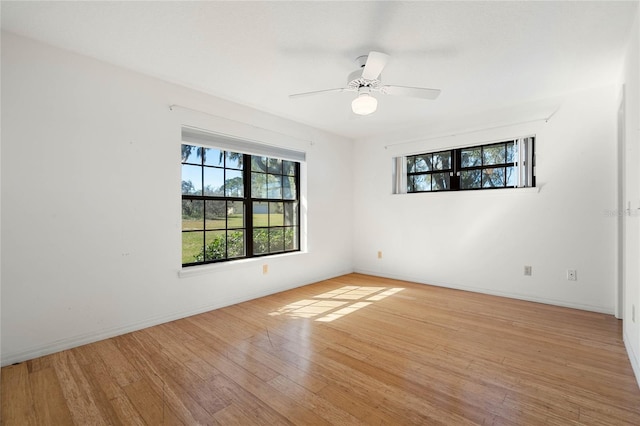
point(366, 79)
point(364, 104)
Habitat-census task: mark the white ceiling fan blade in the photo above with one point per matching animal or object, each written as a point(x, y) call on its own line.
point(376, 61)
point(414, 92)
point(318, 92)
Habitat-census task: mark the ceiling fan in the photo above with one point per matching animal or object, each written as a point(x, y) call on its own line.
point(367, 80)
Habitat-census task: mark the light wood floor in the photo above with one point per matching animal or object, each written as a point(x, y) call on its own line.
point(351, 350)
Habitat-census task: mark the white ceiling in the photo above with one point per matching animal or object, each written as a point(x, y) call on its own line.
point(485, 56)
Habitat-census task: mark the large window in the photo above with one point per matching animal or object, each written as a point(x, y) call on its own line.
point(505, 164)
point(236, 205)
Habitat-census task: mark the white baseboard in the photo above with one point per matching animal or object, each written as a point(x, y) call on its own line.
point(633, 357)
point(83, 339)
point(509, 295)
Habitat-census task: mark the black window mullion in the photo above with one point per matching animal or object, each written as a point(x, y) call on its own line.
point(248, 206)
point(505, 154)
point(204, 227)
point(226, 204)
point(455, 178)
point(268, 217)
point(226, 222)
point(202, 173)
point(204, 208)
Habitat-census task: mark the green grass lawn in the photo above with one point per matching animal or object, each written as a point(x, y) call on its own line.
point(192, 241)
point(235, 221)
point(191, 246)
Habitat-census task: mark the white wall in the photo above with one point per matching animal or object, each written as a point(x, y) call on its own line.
point(631, 154)
point(91, 202)
point(481, 240)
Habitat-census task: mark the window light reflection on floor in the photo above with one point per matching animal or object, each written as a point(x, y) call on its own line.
point(337, 303)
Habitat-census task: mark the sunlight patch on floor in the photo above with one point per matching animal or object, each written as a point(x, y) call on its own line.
point(329, 306)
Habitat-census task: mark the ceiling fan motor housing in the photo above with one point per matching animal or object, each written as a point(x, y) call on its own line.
point(356, 81)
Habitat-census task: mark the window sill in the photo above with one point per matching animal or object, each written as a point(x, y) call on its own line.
point(478, 192)
point(193, 271)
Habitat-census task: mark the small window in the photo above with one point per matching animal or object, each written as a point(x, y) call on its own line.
point(236, 205)
point(508, 164)
point(429, 172)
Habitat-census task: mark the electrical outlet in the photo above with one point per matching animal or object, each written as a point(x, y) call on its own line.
point(265, 269)
point(379, 255)
point(572, 275)
point(527, 270)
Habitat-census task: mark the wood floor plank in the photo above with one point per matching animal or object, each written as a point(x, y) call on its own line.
point(41, 363)
point(96, 384)
point(354, 349)
point(269, 395)
point(400, 403)
point(312, 401)
point(249, 362)
point(48, 399)
point(98, 374)
point(252, 407)
point(160, 381)
point(153, 407)
point(78, 391)
point(116, 363)
point(232, 415)
point(357, 407)
point(259, 357)
point(17, 400)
